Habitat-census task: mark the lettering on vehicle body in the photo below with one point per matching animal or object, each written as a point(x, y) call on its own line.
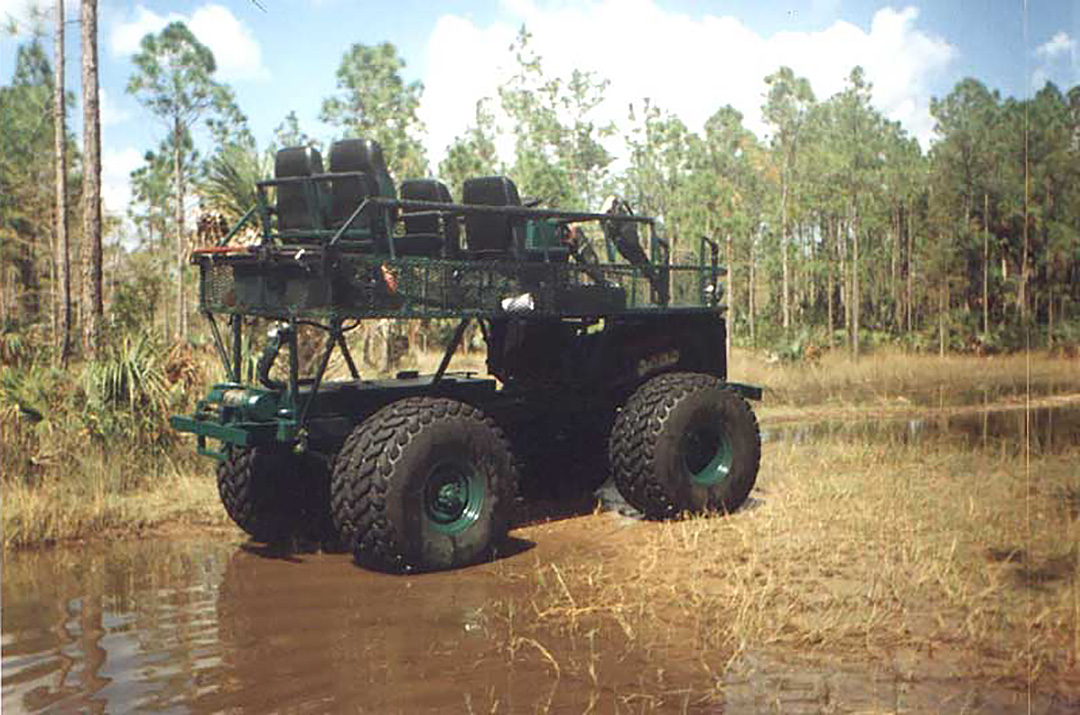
point(655, 362)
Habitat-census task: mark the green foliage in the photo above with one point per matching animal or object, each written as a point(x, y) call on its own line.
point(289, 133)
point(115, 407)
point(134, 302)
point(660, 152)
point(473, 153)
point(152, 193)
point(994, 206)
point(559, 157)
point(173, 77)
point(127, 376)
point(228, 185)
point(375, 102)
point(27, 176)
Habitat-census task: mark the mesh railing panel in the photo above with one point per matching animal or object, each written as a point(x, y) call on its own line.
point(371, 286)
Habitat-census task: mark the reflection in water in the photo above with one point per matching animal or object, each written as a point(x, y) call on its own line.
point(212, 626)
point(209, 626)
point(116, 629)
point(1046, 430)
point(328, 633)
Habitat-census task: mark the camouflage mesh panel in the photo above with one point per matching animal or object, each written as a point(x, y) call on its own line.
point(217, 289)
point(374, 286)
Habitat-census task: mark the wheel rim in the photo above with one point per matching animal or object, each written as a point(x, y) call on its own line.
point(453, 497)
point(707, 454)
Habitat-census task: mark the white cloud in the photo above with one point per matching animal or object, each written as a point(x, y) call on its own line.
point(116, 168)
point(111, 112)
point(124, 37)
point(685, 65)
point(467, 63)
point(1057, 45)
point(235, 49)
point(1058, 60)
point(237, 52)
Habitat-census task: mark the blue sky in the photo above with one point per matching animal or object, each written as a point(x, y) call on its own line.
point(688, 56)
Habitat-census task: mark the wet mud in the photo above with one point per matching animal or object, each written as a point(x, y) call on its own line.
point(212, 626)
point(223, 625)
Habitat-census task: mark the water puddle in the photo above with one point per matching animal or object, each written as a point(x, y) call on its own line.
point(1045, 430)
point(931, 396)
point(221, 625)
point(205, 626)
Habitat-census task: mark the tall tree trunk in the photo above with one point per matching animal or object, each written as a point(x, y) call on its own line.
point(178, 179)
point(751, 307)
point(1022, 290)
point(910, 271)
point(94, 312)
point(941, 321)
point(60, 147)
point(785, 292)
point(855, 298)
point(166, 309)
point(986, 265)
point(830, 282)
point(729, 296)
point(1050, 314)
point(845, 277)
point(3, 294)
point(897, 252)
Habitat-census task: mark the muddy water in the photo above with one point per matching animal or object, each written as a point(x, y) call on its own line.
point(223, 625)
point(211, 625)
point(1044, 430)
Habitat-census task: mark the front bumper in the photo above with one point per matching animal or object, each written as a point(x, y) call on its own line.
point(240, 434)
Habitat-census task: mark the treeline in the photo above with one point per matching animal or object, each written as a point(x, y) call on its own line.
point(45, 185)
point(839, 229)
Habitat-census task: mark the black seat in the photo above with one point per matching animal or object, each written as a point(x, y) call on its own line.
point(424, 231)
point(293, 208)
point(491, 235)
point(356, 155)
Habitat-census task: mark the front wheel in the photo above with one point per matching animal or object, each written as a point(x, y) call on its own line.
point(684, 443)
point(423, 484)
point(262, 493)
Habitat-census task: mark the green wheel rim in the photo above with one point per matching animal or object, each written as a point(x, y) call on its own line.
point(707, 454)
point(453, 497)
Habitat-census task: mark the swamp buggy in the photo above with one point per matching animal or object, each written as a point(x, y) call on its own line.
point(619, 361)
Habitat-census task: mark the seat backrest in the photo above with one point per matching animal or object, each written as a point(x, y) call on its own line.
point(293, 209)
point(427, 190)
point(348, 155)
point(491, 233)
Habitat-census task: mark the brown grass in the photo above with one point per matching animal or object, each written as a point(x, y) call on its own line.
point(95, 503)
point(887, 376)
point(951, 559)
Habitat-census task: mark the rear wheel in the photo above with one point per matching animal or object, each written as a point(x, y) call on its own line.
point(685, 443)
point(423, 484)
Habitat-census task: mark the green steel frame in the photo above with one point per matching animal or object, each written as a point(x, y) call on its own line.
point(332, 279)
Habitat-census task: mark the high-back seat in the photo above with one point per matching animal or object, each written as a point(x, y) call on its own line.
point(491, 235)
point(346, 193)
point(298, 203)
point(425, 233)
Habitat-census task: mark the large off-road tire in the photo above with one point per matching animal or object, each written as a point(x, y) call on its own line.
point(684, 443)
point(424, 484)
point(261, 489)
